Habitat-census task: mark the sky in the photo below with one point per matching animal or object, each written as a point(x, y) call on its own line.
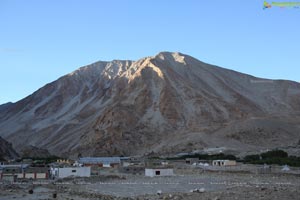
point(41, 40)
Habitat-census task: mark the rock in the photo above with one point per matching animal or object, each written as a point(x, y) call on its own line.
point(177, 197)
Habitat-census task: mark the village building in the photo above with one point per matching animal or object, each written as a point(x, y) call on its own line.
point(191, 160)
point(57, 172)
point(64, 161)
point(132, 169)
point(265, 169)
point(101, 161)
point(224, 163)
point(23, 171)
point(35, 173)
point(132, 161)
point(159, 171)
point(8, 177)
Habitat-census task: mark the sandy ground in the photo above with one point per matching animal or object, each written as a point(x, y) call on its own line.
point(213, 186)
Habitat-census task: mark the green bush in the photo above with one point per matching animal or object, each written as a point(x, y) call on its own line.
point(47, 160)
point(274, 154)
point(250, 158)
point(220, 156)
point(278, 157)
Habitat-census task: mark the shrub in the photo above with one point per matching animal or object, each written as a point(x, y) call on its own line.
point(219, 156)
point(250, 158)
point(278, 157)
point(274, 154)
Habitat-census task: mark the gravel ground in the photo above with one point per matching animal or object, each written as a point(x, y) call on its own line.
point(212, 186)
point(140, 185)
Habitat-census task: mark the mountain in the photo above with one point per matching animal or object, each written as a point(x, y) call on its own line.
point(165, 104)
point(6, 150)
point(5, 106)
point(34, 152)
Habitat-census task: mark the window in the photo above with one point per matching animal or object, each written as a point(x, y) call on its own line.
point(73, 170)
point(157, 173)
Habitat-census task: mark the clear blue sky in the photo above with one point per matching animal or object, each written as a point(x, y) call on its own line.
point(43, 40)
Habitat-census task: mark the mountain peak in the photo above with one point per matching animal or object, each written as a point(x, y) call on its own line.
point(175, 56)
point(169, 102)
point(116, 65)
point(169, 53)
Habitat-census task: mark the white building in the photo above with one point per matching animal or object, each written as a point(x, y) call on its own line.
point(224, 163)
point(152, 172)
point(71, 171)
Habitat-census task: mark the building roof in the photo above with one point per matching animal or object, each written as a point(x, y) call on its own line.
point(22, 166)
point(159, 167)
point(98, 160)
point(37, 170)
point(222, 160)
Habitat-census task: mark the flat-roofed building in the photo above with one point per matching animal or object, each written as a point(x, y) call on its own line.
point(159, 171)
point(23, 171)
point(101, 161)
point(224, 163)
point(63, 172)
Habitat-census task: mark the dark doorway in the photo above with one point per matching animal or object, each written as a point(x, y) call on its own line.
point(157, 173)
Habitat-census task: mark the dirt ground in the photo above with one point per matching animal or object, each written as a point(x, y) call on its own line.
point(210, 185)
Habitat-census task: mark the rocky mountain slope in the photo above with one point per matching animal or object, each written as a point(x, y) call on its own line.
point(6, 150)
point(167, 103)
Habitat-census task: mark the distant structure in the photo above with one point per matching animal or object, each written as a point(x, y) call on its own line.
point(64, 161)
point(132, 169)
point(23, 171)
point(159, 171)
point(224, 163)
point(101, 161)
point(264, 169)
point(133, 165)
point(191, 160)
point(132, 161)
point(63, 172)
point(285, 168)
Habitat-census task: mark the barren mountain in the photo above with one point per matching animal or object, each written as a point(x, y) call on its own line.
point(6, 150)
point(34, 152)
point(167, 103)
